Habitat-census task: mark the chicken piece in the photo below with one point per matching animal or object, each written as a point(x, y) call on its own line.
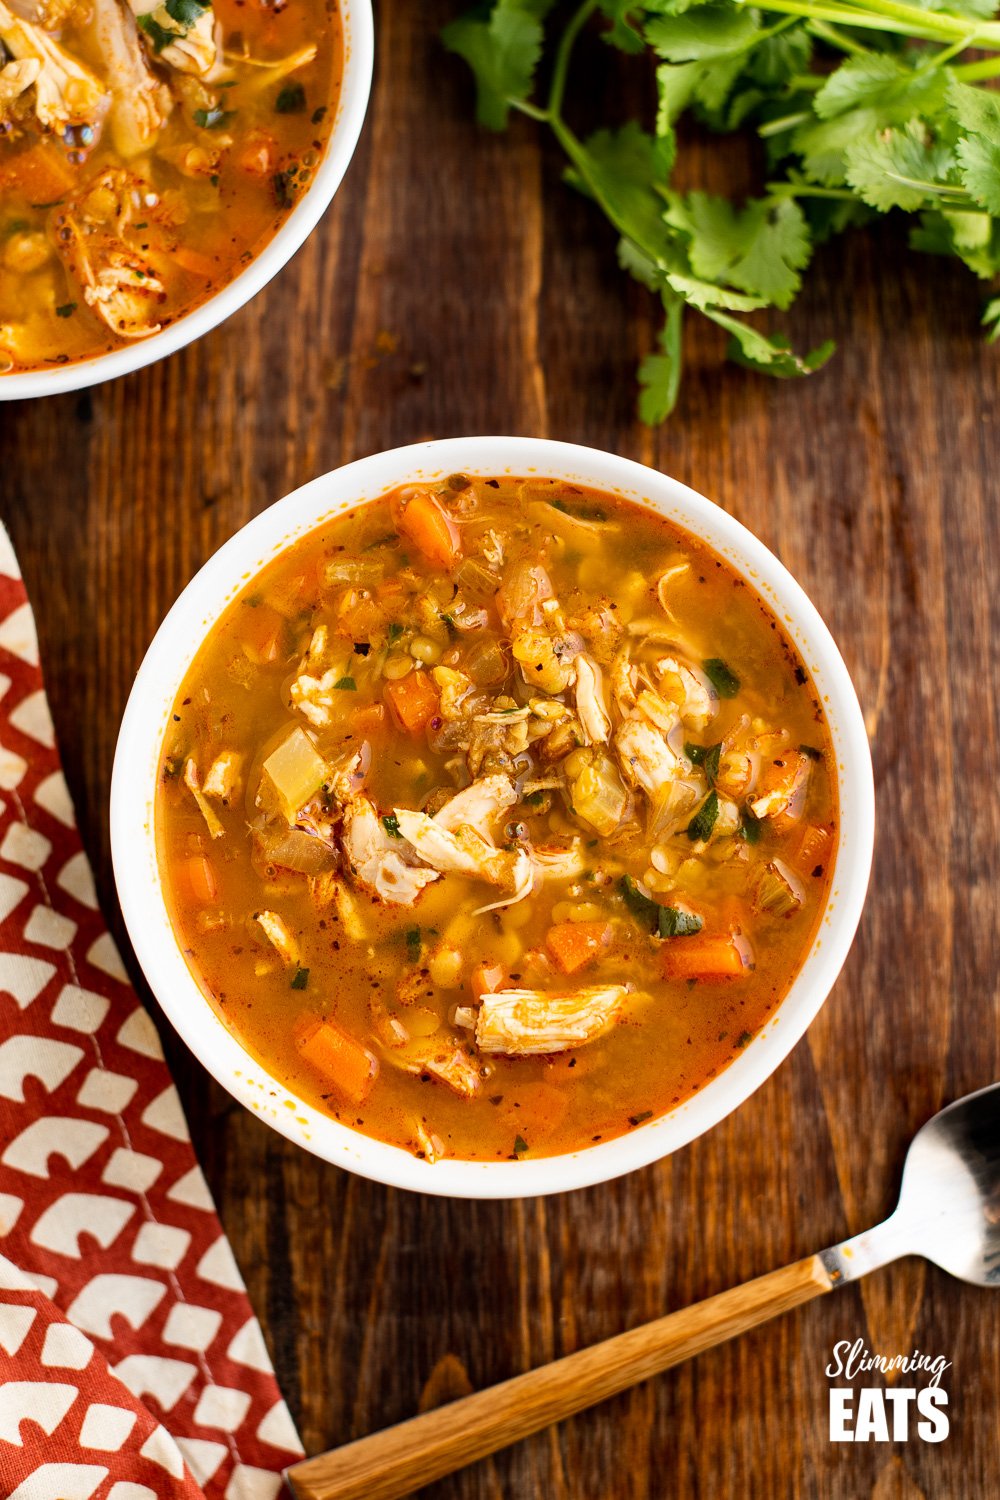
point(590, 701)
point(223, 775)
point(451, 1065)
point(16, 79)
point(463, 851)
point(378, 859)
point(559, 862)
point(479, 804)
point(782, 786)
point(522, 1023)
point(624, 684)
point(140, 103)
point(119, 284)
point(180, 35)
point(55, 13)
point(278, 935)
point(545, 661)
point(67, 93)
point(646, 757)
point(686, 686)
point(193, 784)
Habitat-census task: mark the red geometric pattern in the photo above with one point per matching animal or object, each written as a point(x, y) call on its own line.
point(131, 1365)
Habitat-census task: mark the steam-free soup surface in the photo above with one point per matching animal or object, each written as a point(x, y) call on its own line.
point(148, 151)
point(496, 817)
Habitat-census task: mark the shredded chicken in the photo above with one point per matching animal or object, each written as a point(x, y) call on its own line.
point(67, 93)
point(690, 689)
point(378, 859)
point(278, 935)
point(479, 804)
point(15, 79)
point(140, 103)
point(191, 781)
point(523, 1022)
point(223, 775)
point(452, 1066)
point(590, 701)
point(117, 282)
point(187, 44)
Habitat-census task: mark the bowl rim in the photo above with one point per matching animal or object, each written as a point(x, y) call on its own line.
point(358, 28)
point(133, 837)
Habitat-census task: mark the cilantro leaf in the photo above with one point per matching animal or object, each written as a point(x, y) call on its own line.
point(503, 51)
point(700, 827)
point(673, 922)
point(186, 13)
point(759, 250)
point(772, 356)
point(991, 320)
point(897, 168)
point(979, 169)
point(709, 32)
point(660, 374)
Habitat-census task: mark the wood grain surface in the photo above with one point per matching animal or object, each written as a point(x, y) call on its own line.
point(456, 287)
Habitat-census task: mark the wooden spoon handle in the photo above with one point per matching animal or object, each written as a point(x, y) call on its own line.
point(401, 1459)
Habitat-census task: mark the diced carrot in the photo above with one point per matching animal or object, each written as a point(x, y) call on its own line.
point(201, 879)
point(342, 1061)
point(430, 528)
point(487, 979)
point(813, 848)
point(575, 944)
point(194, 261)
point(368, 720)
point(413, 700)
point(703, 957)
point(257, 155)
point(40, 174)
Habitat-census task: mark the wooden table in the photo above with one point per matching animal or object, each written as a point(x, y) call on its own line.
point(458, 287)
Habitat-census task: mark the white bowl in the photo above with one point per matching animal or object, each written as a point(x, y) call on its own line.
point(358, 55)
point(138, 756)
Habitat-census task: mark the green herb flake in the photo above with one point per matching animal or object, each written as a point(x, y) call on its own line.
point(318, 115)
point(66, 310)
point(707, 757)
point(346, 685)
point(52, 203)
point(413, 942)
point(743, 1038)
point(395, 631)
point(700, 827)
point(161, 37)
point(291, 100)
point(300, 978)
point(520, 1145)
point(534, 799)
point(639, 905)
point(213, 119)
point(725, 682)
point(672, 922)
point(750, 827)
point(391, 825)
point(646, 1114)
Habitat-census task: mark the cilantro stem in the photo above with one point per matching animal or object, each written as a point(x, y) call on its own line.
point(890, 15)
point(531, 110)
point(829, 34)
point(786, 122)
point(560, 67)
point(972, 72)
point(803, 190)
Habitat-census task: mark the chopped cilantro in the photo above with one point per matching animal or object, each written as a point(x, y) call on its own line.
point(66, 310)
point(291, 100)
point(318, 114)
point(391, 825)
point(161, 37)
point(645, 1114)
point(672, 922)
point(701, 825)
point(52, 203)
point(750, 827)
point(300, 978)
point(639, 905)
point(213, 119)
point(413, 940)
point(186, 13)
point(534, 799)
point(395, 631)
point(725, 682)
point(346, 684)
point(520, 1145)
point(743, 1038)
point(706, 756)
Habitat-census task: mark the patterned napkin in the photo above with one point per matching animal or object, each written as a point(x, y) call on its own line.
point(131, 1365)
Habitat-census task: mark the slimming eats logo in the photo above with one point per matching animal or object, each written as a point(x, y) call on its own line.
point(873, 1414)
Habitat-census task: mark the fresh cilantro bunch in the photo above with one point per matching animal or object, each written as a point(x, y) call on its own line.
point(864, 105)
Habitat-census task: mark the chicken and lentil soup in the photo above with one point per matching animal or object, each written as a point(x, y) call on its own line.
point(148, 151)
point(495, 817)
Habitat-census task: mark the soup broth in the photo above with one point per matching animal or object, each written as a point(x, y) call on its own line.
point(496, 817)
point(148, 152)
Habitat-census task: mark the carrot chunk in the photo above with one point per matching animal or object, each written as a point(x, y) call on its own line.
point(486, 979)
point(413, 701)
point(575, 944)
point(368, 720)
point(343, 1062)
point(813, 848)
point(39, 173)
point(429, 527)
point(201, 879)
point(703, 957)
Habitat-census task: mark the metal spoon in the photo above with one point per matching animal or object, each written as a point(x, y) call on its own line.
point(948, 1212)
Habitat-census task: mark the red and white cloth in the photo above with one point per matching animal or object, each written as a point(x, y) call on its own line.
point(131, 1365)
